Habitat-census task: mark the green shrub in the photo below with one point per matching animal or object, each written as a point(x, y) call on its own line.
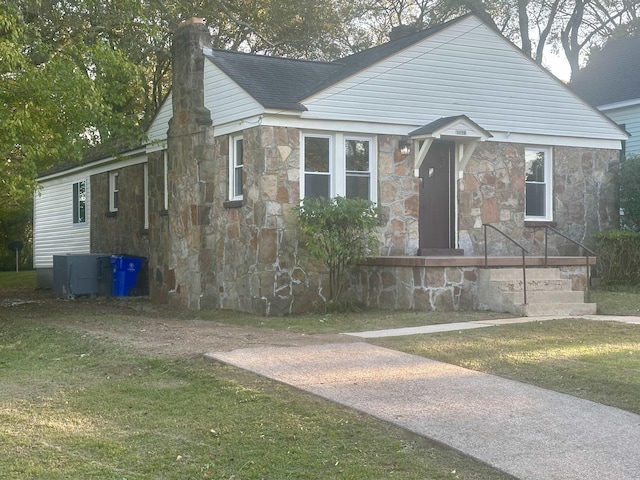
point(629, 191)
point(618, 254)
point(340, 233)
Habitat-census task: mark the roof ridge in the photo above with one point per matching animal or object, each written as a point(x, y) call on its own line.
point(419, 35)
point(262, 55)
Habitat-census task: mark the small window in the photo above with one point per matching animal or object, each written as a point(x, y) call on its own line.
point(236, 164)
point(358, 168)
point(538, 178)
point(113, 191)
point(317, 161)
point(79, 201)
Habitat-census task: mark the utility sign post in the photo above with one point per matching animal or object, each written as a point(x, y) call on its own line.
point(16, 247)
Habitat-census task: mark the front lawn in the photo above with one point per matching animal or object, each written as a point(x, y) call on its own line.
point(599, 361)
point(73, 406)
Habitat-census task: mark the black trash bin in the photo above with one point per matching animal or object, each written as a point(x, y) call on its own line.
point(125, 274)
point(105, 276)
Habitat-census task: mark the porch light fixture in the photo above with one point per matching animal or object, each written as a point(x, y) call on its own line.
point(405, 147)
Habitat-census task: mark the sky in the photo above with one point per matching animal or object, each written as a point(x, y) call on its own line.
point(558, 66)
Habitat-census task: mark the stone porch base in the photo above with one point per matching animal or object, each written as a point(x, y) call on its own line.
point(442, 283)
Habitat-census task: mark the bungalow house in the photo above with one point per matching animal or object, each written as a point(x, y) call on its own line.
point(446, 130)
point(611, 83)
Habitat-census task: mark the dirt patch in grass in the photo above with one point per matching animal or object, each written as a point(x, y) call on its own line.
point(157, 329)
point(185, 338)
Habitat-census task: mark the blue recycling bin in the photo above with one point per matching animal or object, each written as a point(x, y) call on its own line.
point(125, 274)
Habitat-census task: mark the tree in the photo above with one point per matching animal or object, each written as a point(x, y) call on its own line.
point(79, 74)
point(572, 27)
point(340, 232)
point(629, 191)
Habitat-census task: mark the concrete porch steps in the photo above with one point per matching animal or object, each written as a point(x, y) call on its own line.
point(500, 290)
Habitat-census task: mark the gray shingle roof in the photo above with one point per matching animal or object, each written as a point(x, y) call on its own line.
point(274, 82)
point(284, 83)
point(612, 75)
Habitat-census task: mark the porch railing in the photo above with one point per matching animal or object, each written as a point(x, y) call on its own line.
point(585, 250)
point(522, 250)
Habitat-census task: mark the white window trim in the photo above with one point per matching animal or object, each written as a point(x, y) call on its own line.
point(113, 176)
point(373, 165)
point(75, 201)
point(337, 162)
point(332, 155)
point(232, 167)
point(548, 180)
point(165, 166)
point(146, 195)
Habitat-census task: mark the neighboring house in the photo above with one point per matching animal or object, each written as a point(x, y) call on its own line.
point(445, 129)
point(611, 83)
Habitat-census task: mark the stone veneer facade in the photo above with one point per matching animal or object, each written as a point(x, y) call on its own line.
point(121, 232)
point(493, 191)
point(250, 258)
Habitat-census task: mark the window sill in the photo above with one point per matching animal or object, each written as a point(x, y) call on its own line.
point(233, 204)
point(111, 214)
point(540, 223)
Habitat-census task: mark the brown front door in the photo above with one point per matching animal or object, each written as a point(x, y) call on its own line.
point(437, 200)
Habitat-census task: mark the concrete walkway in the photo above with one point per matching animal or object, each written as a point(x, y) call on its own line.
point(523, 430)
point(452, 327)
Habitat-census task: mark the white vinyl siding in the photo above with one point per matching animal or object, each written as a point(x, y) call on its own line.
point(630, 118)
point(54, 232)
point(464, 69)
point(157, 131)
point(225, 99)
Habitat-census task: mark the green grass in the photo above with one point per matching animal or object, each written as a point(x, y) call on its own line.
point(599, 361)
point(73, 406)
point(18, 281)
point(617, 300)
point(347, 322)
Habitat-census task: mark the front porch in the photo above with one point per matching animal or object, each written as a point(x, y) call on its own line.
point(449, 283)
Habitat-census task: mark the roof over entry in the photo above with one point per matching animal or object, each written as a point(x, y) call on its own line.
point(460, 128)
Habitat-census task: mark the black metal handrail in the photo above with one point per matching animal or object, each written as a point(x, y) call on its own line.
point(585, 249)
point(522, 249)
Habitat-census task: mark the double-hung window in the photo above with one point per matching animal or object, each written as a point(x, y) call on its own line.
point(79, 201)
point(317, 166)
point(538, 179)
point(357, 152)
point(113, 191)
point(236, 162)
point(338, 165)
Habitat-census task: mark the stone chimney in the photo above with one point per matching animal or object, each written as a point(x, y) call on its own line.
point(188, 73)
point(400, 31)
point(190, 144)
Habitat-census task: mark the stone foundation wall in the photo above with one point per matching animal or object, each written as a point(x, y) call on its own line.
point(415, 288)
point(431, 288)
